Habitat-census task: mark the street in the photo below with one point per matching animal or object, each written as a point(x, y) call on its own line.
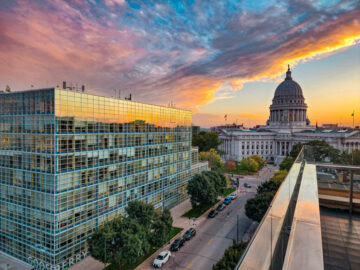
point(216, 234)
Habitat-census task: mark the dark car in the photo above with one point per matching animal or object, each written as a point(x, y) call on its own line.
point(212, 214)
point(190, 233)
point(177, 244)
point(247, 185)
point(220, 207)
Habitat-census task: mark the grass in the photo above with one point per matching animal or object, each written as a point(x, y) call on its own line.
point(198, 210)
point(174, 231)
point(228, 191)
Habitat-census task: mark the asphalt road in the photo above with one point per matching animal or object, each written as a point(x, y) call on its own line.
point(216, 234)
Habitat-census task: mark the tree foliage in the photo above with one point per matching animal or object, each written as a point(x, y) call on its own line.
point(279, 176)
point(259, 160)
point(255, 208)
point(141, 211)
point(320, 151)
point(249, 164)
point(204, 188)
point(218, 180)
point(124, 239)
point(286, 163)
point(201, 190)
point(205, 140)
point(230, 165)
point(231, 256)
point(268, 186)
point(213, 158)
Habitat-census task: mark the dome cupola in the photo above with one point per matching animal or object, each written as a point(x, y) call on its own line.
point(288, 108)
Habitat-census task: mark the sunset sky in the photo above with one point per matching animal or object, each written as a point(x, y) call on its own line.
point(213, 57)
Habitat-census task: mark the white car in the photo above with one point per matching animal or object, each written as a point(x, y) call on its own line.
point(233, 196)
point(162, 258)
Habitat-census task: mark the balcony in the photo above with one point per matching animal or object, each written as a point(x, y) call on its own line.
point(313, 221)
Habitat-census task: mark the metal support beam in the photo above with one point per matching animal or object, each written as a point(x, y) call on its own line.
point(351, 193)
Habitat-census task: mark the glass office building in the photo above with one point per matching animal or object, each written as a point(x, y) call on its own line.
point(69, 161)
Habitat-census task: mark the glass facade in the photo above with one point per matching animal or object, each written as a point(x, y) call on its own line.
point(70, 161)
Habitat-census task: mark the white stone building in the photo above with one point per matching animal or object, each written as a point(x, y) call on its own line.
point(287, 125)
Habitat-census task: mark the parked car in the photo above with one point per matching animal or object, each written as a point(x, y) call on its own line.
point(177, 244)
point(233, 196)
point(220, 207)
point(190, 233)
point(162, 258)
point(227, 200)
point(247, 185)
point(212, 214)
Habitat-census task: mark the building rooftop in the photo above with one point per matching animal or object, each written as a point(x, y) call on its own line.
point(313, 222)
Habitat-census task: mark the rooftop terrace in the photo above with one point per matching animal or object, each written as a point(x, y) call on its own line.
point(313, 221)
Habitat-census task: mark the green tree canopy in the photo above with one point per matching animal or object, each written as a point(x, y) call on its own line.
point(141, 211)
point(255, 208)
point(218, 180)
point(286, 163)
point(213, 158)
point(124, 239)
point(268, 186)
point(261, 163)
point(279, 176)
point(201, 190)
point(318, 151)
point(231, 257)
point(161, 227)
point(205, 140)
point(248, 164)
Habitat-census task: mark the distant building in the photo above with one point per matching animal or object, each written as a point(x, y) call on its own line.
point(288, 124)
point(195, 129)
point(228, 126)
point(70, 161)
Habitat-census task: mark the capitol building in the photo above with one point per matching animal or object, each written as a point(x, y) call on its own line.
point(287, 125)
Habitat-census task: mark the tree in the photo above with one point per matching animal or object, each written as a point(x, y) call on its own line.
point(217, 179)
point(279, 176)
point(230, 166)
point(286, 163)
point(161, 228)
point(123, 240)
point(268, 186)
point(131, 242)
point(231, 256)
point(213, 158)
point(249, 165)
point(205, 141)
point(141, 211)
point(201, 190)
point(261, 163)
point(318, 151)
point(101, 242)
point(255, 208)
point(296, 150)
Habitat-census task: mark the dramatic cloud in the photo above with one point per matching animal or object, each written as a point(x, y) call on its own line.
point(188, 53)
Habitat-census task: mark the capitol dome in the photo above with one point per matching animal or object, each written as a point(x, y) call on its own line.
point(288, 108)
point(288, 91)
